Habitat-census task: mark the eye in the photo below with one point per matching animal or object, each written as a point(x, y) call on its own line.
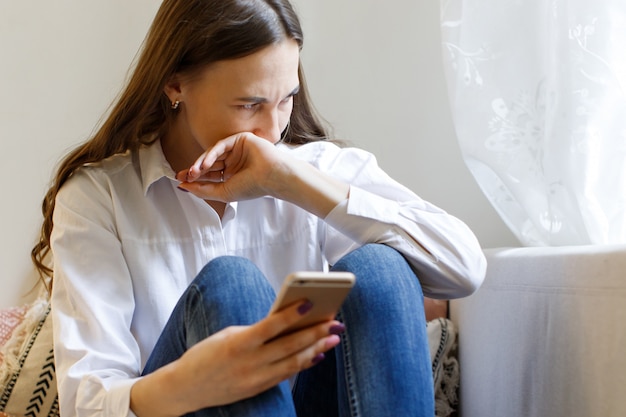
point(248, 106)
point(287, 100)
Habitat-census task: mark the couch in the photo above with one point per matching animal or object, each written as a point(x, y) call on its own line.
point(545, 335)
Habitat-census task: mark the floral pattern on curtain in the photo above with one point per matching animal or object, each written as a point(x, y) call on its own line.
point(537, 91)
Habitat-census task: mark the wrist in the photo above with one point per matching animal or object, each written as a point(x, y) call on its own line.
point(159, 394)
point(311, 189)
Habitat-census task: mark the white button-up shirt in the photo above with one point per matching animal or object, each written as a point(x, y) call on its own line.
point(127, 242)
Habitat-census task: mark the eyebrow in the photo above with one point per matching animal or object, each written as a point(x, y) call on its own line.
point(256, 99)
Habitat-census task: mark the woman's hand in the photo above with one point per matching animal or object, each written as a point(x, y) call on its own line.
point(234, 364)
point(240, 167)
point(245, 166)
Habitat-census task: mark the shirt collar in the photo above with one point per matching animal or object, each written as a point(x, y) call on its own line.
point(153, 165)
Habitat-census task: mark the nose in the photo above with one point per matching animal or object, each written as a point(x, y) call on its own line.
point(270, 126)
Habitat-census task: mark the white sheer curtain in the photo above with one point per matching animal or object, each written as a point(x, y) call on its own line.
point(537, 89)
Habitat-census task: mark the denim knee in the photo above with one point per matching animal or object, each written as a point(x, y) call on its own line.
point(372, 255)
point(384, 278)
point(384, 352)
point(231, 290)
point(225, 271)
point(375, 259)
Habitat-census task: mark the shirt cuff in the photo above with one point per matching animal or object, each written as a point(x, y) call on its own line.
point(118, 398)
point(363, 216)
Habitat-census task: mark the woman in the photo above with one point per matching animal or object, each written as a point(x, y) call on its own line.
point(208, 183)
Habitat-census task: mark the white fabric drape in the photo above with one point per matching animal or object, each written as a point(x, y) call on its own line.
point(537, 95)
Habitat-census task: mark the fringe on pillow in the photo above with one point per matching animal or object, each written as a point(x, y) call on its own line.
point(446, 369)
point(446, 398)
point(12, 351)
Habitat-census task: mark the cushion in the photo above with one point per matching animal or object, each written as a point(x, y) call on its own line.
point(10, 319)
point(442, 340)
point(545, 334)
point(27, 377)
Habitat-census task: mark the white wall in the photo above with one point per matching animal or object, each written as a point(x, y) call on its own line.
point(62, 63)
point(374, 69)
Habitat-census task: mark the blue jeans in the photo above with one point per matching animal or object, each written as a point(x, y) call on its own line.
point(382, 367)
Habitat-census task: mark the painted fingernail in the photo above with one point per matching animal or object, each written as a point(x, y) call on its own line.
point(182, 189)
point(318, 358)
point(305, 308)
point(337, 329)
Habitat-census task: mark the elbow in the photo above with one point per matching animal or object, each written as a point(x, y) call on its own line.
point(454, 282)
point(471, 285)
point(473, 274)
point(465, 277)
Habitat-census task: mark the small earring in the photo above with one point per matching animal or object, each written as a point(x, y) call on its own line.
point(175, 104)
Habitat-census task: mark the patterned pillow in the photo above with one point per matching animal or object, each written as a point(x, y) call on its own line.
point(442, 342)
point(10, 319)
point(27, 375)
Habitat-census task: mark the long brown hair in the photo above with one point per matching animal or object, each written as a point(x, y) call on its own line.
point(185, 36)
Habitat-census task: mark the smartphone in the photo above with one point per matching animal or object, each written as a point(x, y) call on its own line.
point(326, 290)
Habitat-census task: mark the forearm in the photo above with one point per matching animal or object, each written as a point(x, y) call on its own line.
point(310, 189)
point(159, 394)
point(439, 247)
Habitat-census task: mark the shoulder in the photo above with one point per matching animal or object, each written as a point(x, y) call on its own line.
point(100, 178)
point(111, 167)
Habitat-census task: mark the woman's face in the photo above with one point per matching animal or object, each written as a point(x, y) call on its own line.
point(249, 94)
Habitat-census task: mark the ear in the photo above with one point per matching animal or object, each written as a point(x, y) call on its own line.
point(173, 89)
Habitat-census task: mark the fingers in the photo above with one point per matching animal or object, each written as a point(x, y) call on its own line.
point(301, 349)
point(198, 171)
point(285, 356)
point(241, 361)
point(303, 359)
point(271, 329)
point(240, 167)
point(205, 182)
point(275, 372)
point(271, 374)
point(212, 161)
point(279, 321)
